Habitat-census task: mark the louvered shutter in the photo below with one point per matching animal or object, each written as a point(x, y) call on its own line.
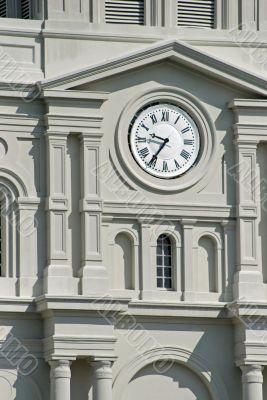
point(3, 8)
point(25, 9)
point(196, 13)
point(124, 12)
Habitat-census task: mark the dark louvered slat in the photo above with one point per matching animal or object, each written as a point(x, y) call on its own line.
point(124, 12)
point(196, 13)
point(25, 9)
point(3, 8)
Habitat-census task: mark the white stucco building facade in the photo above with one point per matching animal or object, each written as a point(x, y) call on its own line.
point(123, 278)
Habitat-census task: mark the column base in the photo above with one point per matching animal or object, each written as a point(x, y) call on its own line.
point(248, 285)
point(59, 281)
point(94, 280)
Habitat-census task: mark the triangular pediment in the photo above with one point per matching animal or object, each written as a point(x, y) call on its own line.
point(172, 50)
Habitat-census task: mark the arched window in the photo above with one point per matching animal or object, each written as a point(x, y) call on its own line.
point(164, 263)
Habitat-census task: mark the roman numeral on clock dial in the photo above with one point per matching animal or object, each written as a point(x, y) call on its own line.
point(188, 142)
point(184, 130)
point(165, 116)
point(143, 152)
point(177, 119)
point(153, 118)
point(165, 167)
point(144, 126)
point(176, 164)
point(185, 154)
point(140, 139)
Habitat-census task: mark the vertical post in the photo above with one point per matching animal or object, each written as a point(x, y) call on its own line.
point(58, 277)
point(170, 13)
point(60, 376)
point(229, 258)
point(262, 15)
point(92, 273)
point(249, 13)
point(248, 279)
point(146, 273)
point(252, 380)
point(188, 259)
point(28, 274)
point(103, 380)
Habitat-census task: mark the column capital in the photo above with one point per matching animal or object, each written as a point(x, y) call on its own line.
point(188, 222)
point(89, 137)
point(252, 373)
point(60, 368)
point(102, 368)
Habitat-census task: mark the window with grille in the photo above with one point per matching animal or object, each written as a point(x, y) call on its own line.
point(196, 13)
point(164, 263)
point(124, 12)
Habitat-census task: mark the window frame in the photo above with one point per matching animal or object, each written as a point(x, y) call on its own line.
point(166, 252)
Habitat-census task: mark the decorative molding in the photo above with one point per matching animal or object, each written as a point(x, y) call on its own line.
point(189, 359)
point(174, 50)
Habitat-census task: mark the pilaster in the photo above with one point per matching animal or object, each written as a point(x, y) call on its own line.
point(188, 259)
point(58, 277)
point(146, 278)
point(248, 278)
point(93, 274)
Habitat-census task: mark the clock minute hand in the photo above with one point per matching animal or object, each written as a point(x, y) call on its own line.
point(161, 147)
point(155, 156)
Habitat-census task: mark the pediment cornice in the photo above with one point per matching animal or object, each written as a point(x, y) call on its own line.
point(172, 50)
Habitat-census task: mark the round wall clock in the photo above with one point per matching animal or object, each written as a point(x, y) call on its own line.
point(164, 140)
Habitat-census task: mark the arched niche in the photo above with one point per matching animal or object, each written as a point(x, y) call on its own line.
point(208, 273)
point(177, 382)
point(162, 360)
point(123, 262)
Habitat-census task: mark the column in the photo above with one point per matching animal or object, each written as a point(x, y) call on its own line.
point(60, 375)
point(248, 279)
point(252, 380)
point(92, 273)
point(188, 259)
point(103, 380)
point(58, 277)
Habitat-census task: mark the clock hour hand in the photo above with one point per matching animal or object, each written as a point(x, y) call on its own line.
point(155, 136)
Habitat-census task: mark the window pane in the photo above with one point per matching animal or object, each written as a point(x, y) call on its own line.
point(167, 250)
point(159, 249)
point(159, 283)
point(159, 260)
point(167, 261)
point(167, 283)
point(168, 272)
point(159, 272)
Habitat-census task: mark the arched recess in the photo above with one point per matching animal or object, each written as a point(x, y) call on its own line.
point(162, 359)
point(208, 267)
point(124, 260)
point(11, 190)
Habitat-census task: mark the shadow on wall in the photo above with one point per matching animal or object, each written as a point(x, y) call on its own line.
point(178, 382)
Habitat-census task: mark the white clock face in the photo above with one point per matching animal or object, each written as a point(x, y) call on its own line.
point(164, 140)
